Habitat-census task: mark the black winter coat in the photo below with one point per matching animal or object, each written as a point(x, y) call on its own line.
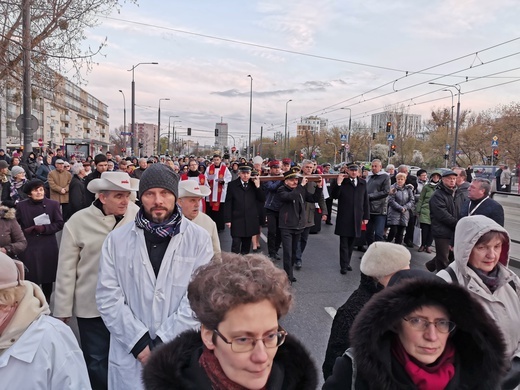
point(343, 320)
point(175, 366)
point(489, 207)
point(378, 187)
point(445, 206)
point(241, 208)
point(479, 346)
point(77, 196)
point(292, 211)
point(353, 206)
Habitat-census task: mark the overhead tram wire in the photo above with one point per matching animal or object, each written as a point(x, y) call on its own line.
point(407, 73)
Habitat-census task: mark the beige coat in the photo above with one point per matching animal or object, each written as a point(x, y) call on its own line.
point(504, 304)
point(78, 263)
point(207, 223)
point(57, 181)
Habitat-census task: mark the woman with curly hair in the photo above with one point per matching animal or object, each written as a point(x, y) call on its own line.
point(241, 344)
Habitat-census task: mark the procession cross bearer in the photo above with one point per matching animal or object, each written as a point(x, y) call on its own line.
point(218, 177)
point(144, 271)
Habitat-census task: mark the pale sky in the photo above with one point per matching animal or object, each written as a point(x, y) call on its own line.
point(321, 54)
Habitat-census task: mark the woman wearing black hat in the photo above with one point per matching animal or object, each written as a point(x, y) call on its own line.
point(40, 219)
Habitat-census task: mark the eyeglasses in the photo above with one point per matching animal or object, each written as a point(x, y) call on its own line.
point(246, 344)
point(443, 326)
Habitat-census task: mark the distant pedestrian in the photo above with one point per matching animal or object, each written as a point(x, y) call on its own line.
point(378, 186)
point(400, 205)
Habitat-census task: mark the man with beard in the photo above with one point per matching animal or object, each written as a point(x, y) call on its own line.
point(144, 271)
point(218, 177)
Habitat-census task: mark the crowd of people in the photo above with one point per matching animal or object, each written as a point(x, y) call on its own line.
point(130, 249)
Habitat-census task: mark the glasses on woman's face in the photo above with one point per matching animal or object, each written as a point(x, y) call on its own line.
point(247, 344)
point(443, 326)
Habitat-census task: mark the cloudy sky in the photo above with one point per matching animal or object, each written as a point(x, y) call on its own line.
point(321, 54)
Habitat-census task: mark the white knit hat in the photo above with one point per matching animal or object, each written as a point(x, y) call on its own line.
point(384, 258)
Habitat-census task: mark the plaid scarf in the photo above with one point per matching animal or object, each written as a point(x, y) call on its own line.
point(15, 186)
point(167, 228)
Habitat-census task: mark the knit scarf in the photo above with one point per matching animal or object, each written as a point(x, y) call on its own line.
point(490, 279)
point(15, 186)
point(217, 377)
point(434, 376)
point(167, 228)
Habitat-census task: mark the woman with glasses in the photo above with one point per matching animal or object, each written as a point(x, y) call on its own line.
point(241, 344)
point(481, 265)
point(421, 334)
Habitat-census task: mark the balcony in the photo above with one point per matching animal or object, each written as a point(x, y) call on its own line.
point(86, 125)
point(65, 130)
point(102, 131)
point(65, 118)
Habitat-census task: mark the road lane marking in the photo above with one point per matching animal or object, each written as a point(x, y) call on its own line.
point(331, 311)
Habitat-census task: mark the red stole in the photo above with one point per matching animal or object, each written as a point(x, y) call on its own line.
point(215, 206)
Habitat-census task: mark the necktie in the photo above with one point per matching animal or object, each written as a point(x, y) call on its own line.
point(353, 182)
point(244, 185)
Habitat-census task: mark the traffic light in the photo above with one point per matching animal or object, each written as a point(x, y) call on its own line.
point(275, 142)
point(446, 156)
point(189, 131)
point(388, 127)
point(216, 132)
point(123, 150)
point(495, 153)
point(393, 147)
point(140, 144)
point(374, 135)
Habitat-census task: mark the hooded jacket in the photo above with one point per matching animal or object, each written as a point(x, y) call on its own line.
point(175, 366)
point(12, 238)
point(402, 197)
point(479, 346)
point(504, 304)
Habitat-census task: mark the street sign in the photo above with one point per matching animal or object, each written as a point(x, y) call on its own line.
point(495, 138)
point(390, 137)
point(494, 143)
point(343, 137)
point(34, 123)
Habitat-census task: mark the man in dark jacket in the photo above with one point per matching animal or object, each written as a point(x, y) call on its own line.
point(445, 205)
point(241, 211)
point(77, 189)
point(101, 166)
point(293, 195)
point(353, 210)
point(479, 202)
point(272, 209)
point(378, 187)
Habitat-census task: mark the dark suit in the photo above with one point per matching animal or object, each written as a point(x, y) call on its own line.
point(241, 210)
point(353, 208)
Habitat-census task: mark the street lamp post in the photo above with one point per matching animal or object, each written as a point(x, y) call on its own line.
point(134, 133)
point(349, 120)
point(159, 126)
point(169, 143)
point(451, 121)
point(124, 119)
point(455, 141)
point(250, 114)
point(286, 141)
point(335, 150)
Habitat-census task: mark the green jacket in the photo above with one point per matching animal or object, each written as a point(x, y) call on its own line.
point(422, 208)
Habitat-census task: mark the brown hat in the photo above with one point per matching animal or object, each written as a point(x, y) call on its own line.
point(11, 272)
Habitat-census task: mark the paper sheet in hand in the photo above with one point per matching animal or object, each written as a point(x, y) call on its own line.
point(42, 219)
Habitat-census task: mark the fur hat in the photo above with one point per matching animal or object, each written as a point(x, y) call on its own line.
point(159, 176)
point(384, 258)
point(32, 185)
point(11, 272)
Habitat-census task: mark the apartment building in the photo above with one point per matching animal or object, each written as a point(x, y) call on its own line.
point(311, 124)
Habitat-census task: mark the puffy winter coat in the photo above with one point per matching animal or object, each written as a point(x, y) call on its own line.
point(479, 346)
point(401, 198)
point(12, 238)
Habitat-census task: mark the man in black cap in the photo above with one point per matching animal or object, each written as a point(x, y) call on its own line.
point(292, 217)
point(144, 270)
point(353, 210)
point(241, 211)
point(445, 206)
point(101, 162)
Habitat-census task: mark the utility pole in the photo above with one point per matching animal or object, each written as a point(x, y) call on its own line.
point(27, 107)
